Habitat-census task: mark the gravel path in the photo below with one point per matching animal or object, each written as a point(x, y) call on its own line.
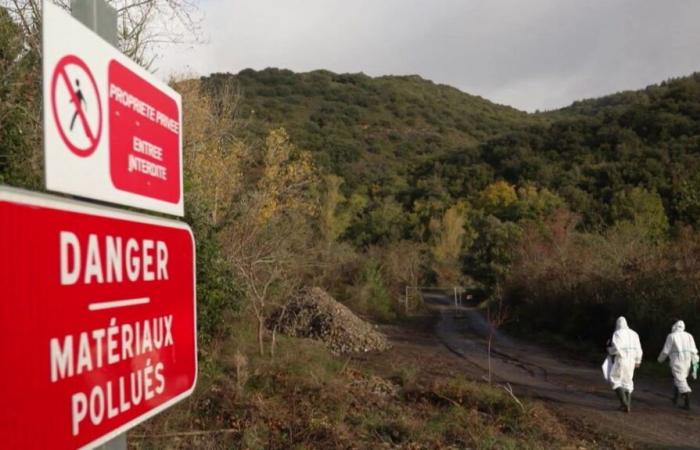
point(573, 387)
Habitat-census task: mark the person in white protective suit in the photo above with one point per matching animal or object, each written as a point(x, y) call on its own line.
point(682, 353)
point(627, 351)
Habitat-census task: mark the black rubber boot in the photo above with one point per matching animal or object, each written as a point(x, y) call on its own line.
point(628, 403)
point(621, 396)
point(675, 396)
point(686, 401)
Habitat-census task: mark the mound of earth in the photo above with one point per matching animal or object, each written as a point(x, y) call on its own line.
point(319, 316)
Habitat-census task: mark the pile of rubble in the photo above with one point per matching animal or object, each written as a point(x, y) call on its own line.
point(372, 384)
point(319, 316)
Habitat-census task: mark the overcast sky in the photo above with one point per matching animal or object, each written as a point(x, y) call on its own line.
point(531, 54)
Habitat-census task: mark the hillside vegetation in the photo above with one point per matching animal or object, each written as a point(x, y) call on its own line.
point(358, 126)
point(363, 186)
point(395, 131)
point(470, 185)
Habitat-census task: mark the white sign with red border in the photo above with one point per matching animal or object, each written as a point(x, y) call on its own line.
point(112, 130)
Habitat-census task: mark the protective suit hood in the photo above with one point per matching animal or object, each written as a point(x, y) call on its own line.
point(678, 326)
point(621, 324)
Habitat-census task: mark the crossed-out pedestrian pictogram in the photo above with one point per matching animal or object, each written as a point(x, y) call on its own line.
point(77, 105)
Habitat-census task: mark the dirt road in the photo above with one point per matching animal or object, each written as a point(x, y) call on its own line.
point(573, 387)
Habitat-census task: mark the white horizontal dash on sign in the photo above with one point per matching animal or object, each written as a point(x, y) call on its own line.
point(118, 303)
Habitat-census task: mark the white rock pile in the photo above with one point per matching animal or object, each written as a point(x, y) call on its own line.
point(319, 316)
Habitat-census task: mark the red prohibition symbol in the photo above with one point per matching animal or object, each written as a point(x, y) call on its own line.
point(76, 99)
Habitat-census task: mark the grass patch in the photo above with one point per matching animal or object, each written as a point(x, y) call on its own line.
point(307, 398)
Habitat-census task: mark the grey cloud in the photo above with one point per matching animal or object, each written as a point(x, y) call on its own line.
point(532, 54)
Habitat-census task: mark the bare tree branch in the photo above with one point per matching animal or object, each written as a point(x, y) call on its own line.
point(143, 25)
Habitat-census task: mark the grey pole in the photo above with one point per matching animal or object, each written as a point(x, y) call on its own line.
point(99, 16)
point(102, 19)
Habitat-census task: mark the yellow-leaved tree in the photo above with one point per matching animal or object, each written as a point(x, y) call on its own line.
point(498, 199)
point(269, 242)
point(288, 181)
point(449, 237)
point(213, 158)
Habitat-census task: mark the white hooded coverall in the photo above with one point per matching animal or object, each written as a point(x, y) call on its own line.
point(627, 350)
point(682, 353)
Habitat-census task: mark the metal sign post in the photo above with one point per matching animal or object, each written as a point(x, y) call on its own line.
point(102, 19)
point(99, 16)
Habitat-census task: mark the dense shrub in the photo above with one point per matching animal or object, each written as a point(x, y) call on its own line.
point(576, 284)
point(21, 154)
point(371, 295)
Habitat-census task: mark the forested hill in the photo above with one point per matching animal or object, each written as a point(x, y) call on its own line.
point(595, 149)
point(366, 129)
point(677, 95)
point(414, 140)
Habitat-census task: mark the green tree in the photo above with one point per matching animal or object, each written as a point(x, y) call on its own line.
point(382, 221)
point(499, 199)
point(536, 203)
point(489, 258)
point(336, 212)
point(21, 155)
point(641, 208)
point(686, 201)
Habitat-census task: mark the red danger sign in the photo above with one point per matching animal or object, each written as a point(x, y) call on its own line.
point(97, 320)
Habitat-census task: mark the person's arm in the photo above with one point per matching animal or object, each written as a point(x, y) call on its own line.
point(693, 351)
point(638, 359)
point(666, 350)
point(612, 348)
